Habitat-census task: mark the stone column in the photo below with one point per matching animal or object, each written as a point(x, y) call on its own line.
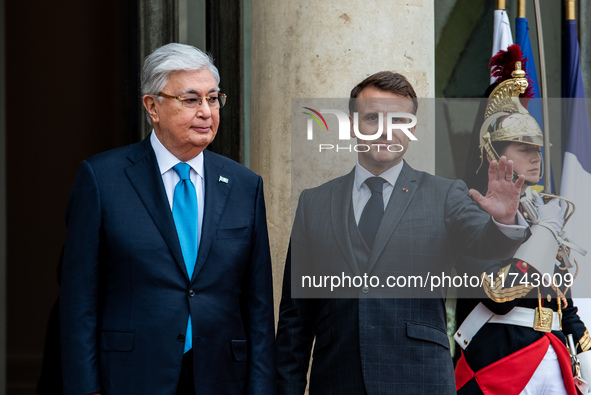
point(157, 26)
point(321, 49)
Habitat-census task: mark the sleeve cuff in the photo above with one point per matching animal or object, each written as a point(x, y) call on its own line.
point(514, 232)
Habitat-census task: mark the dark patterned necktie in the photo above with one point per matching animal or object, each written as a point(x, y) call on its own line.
point(373, 211)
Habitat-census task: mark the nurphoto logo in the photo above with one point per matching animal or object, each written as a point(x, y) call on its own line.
point(394, 120)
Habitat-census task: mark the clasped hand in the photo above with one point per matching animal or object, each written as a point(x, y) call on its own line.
point(551, 213)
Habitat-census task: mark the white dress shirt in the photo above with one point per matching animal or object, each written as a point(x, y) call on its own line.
point(361, 195)
point(166, 162)
point(361, 192)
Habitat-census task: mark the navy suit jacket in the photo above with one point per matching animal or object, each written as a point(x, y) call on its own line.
point(395, 343)
point(126, 296)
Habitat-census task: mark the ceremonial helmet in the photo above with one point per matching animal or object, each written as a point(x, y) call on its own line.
point(506, 119)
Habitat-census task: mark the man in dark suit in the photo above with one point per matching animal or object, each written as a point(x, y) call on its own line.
point(376, 339)
point(166, 283)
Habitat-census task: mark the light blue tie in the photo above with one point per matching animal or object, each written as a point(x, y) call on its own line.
point(185, 215)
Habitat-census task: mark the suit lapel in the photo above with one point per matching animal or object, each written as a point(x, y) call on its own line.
point(340, 209)
point(144, 176)
point(402, 194)
point(216, 195)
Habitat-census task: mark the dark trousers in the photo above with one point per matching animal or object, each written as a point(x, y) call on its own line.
point(186, 384)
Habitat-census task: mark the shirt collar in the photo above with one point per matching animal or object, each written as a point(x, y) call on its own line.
point(166, 160)
point(390, 175)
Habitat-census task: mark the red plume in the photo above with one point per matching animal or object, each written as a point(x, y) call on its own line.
point(503, 64)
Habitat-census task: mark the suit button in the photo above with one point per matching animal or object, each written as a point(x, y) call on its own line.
point(365, 290)
point(181, 337)
point(191, 293)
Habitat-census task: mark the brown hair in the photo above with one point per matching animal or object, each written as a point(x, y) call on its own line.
point(385, 81)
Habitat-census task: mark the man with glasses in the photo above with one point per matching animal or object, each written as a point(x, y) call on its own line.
point(167, 283)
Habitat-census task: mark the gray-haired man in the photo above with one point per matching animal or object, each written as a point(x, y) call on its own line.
point(167, 277)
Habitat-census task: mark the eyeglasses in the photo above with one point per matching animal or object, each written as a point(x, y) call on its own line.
point(194, 101)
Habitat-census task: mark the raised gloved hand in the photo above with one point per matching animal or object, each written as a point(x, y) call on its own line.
point(551, 213)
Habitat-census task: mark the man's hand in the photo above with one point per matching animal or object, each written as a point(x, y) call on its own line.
point(502, 198)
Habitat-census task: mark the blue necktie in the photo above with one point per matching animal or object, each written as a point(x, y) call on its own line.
point(184, 213)
point(373, 211)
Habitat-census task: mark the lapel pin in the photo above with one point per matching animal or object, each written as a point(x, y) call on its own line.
point(223, 179)
point(405, 190)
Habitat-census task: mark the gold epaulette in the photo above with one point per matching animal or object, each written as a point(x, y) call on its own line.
point(585, 342)
point(497, 292)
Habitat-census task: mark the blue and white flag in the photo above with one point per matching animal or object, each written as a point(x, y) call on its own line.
point(502, 37)
point(576, 168)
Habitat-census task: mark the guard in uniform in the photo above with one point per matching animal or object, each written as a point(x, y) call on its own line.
point(516, 339)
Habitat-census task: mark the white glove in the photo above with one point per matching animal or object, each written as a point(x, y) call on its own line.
point(551, 213)
point(585, 361)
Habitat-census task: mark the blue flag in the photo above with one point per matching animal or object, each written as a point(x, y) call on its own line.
point(522, 39)
point(535, 105)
